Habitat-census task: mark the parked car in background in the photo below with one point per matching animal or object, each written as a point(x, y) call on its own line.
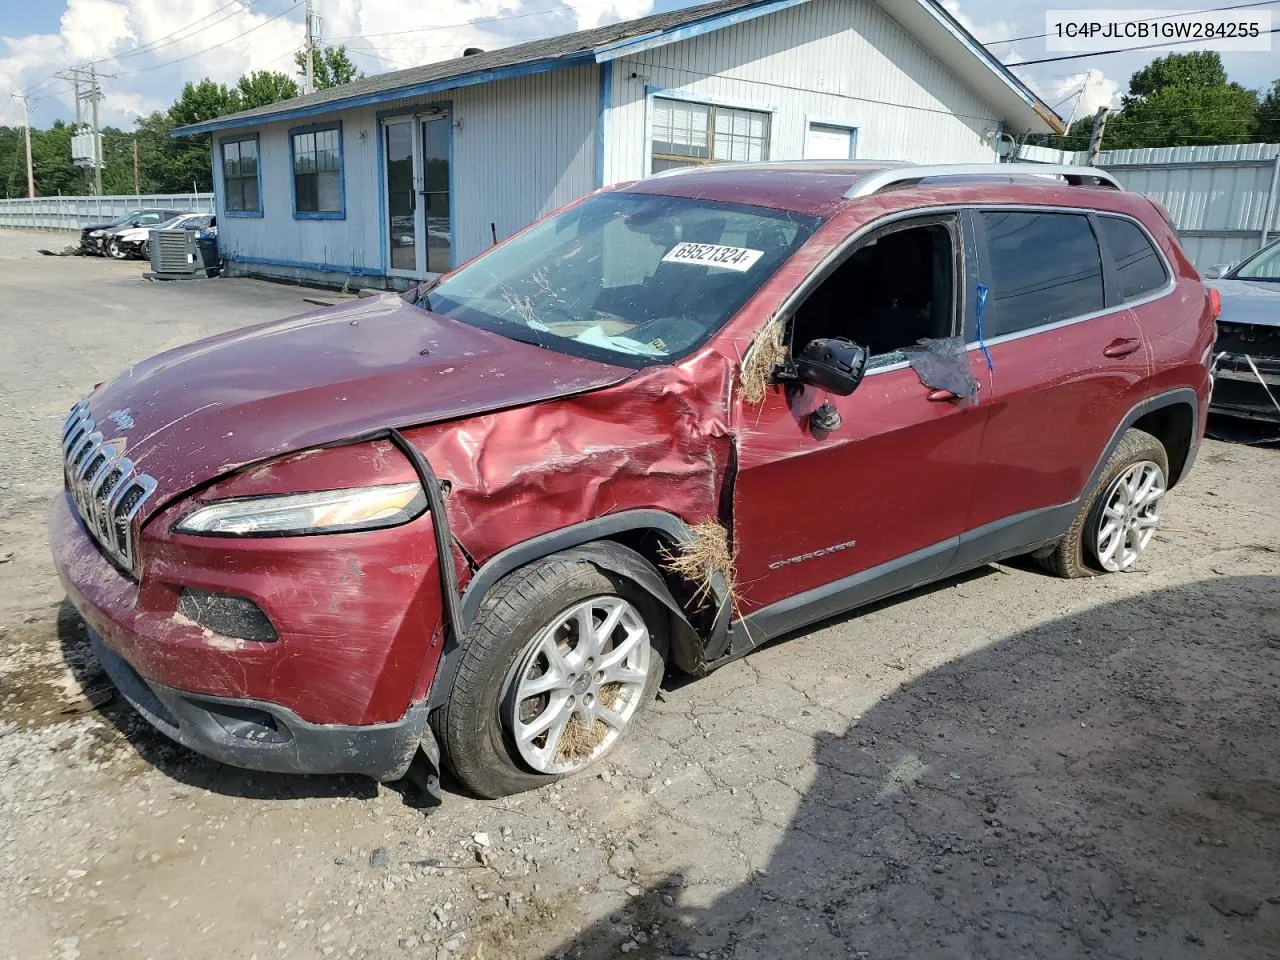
point(124, 243)
point(680, 417)
point(93, 238)
point(1247, 368)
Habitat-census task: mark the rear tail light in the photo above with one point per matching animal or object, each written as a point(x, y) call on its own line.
point(1215, 303)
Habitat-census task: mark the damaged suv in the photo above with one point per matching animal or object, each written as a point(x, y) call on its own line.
point(474, 524)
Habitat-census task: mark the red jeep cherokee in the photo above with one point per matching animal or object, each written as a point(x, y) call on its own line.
point(474, 523)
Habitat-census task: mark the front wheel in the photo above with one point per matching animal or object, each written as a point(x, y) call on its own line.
point(1121, 514)
point(560, 662)
point(115, 250)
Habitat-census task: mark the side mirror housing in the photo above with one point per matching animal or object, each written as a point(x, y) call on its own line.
point(834, 364)
point(1217, 271)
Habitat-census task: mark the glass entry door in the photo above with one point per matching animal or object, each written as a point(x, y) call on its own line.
point(415, 152)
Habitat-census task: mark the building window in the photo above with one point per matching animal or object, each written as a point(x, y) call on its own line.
point(317, 171)
point(689, 133)
point(240, 177)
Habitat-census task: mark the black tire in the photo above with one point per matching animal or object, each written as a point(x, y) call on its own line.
point(1075, 555)
point(474, 740)
point(115, 251)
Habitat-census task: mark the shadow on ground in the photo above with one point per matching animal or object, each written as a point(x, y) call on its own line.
point(1106, 785)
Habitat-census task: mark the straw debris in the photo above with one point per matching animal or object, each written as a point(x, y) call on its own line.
point(698, 559)
point(580, 741)
point(766, 351)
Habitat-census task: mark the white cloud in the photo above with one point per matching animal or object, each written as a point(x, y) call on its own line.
point(210, 38)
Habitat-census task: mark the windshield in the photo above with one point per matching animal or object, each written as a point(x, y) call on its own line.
point(1263, 265)
point(626, 278)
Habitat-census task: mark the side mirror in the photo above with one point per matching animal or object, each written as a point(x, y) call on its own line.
point(1217, 271)
point(834, 364)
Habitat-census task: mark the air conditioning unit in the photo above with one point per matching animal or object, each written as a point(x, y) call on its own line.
point(181, 254)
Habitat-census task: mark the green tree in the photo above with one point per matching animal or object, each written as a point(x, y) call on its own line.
point(331, 67)
point(1268, 128)
point(1200, 69)
point(1183, 99)
point(263, 87)
point(51, 162)
point(186, 160)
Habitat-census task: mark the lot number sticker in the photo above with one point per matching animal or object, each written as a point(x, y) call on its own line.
point(739, 259)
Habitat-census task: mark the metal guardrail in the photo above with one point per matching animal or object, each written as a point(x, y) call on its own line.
point(72, 213)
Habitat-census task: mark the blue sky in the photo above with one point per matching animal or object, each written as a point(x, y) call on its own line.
point(37, 37)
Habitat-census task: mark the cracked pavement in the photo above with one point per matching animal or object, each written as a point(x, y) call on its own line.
point(1003, 765)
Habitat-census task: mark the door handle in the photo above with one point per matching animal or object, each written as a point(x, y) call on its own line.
point(1122, 347)
point(942, 396)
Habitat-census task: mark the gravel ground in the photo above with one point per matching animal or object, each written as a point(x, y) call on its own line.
point(1005, 765)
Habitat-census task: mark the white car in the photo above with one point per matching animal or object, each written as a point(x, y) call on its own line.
point(132, 241)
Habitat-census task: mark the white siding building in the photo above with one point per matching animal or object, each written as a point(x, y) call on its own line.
point(402, 175)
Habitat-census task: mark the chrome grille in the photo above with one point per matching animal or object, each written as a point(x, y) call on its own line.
point(107, 490)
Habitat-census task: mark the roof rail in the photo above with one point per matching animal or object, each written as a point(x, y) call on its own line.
point(910, 173)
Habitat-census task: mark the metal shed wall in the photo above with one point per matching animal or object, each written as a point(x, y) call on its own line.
point(521, 148)
point(842, 62)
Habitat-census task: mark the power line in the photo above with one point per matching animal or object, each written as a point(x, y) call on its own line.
point(242, 6)
point(467, 23)
point(169, 63)
point(1167, 16)
point(1107, 53)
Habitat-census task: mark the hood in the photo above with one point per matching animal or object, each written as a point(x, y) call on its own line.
point(1249, 301)
point(134, 233)
point(205, 409)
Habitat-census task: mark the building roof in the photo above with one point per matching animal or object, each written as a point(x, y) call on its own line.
point(937, 30)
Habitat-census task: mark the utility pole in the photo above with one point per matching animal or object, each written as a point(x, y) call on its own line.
point(96, 95)
point(1084, 88)
point(137, 191)
point(1095, 140)
point(26, 123)
point(311, 52)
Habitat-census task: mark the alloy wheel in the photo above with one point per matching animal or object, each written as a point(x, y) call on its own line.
point(1130, 515)
point(578, 684)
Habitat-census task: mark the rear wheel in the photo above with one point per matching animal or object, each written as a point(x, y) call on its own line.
point(561, 660)
point(1121, 514)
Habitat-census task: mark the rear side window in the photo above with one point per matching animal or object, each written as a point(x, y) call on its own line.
point(1043, 267)
point(1138, 266)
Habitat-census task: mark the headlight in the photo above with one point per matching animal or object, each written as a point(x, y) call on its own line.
point(96, 233)
point(328, 511)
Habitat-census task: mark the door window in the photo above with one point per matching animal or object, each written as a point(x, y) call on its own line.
point(402, 239)
point(1042, 267)
point(435, 178)
point(893, 290)
point(1138, 266)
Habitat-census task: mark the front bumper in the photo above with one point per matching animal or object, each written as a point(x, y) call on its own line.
point(335, 693)
point(266, 736)
point(1239, 391)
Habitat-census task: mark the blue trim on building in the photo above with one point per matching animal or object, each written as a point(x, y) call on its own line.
point(303, 265)
point(633, 45)
point(397, 93)
point(602, 124)
point(219, 162)
point(341, 212)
